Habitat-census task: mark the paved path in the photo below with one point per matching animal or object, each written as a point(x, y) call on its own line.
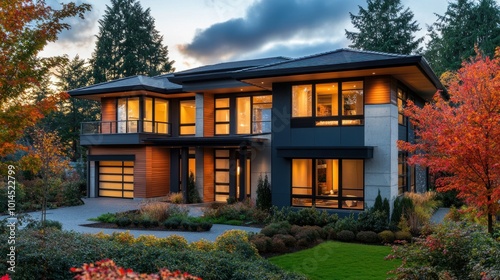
point(438, 216)
point(72, 218)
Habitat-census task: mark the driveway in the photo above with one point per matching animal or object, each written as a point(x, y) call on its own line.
point(72, 218)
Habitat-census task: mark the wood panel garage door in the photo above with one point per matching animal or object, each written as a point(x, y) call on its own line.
point(116, 179)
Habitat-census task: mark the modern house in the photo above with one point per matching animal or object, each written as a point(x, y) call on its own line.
point(323, 128)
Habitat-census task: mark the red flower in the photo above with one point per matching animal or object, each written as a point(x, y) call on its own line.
point(5, 277)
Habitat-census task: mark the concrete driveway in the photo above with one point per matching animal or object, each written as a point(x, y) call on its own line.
point(72, 218)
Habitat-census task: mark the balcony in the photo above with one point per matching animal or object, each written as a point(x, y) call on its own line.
point(129, 132)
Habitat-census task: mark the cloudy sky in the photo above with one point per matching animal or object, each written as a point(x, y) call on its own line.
point(199, 32)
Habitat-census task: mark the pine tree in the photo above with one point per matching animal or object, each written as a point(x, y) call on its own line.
point(455, 34)
point(128, 44)
point(385, 26)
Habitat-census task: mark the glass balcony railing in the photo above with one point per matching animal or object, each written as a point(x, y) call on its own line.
point(131, 126)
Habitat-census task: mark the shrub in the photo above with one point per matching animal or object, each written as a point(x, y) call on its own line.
point(278, 245)
point(306, 216)
point(107, 269)
point(369, 237)
point(175, 198)
point(176, 242)
point(310, 234)
point(206, 226)
point(402, 206)
point(346, 235)
point(202, 245)
point(122, 237)
point(261, 242)
point(106, 218)
point(48, 224)
point(425, 205)
point(193, 195)
point(403, 235)
point(264, 195)
point(457, 250)
point(287, 239)
point(173, 222)
point(123, 221)
point(387, 236)
point(276, 228)
point(373, 220)
point(236, 241)
point(346, 223)
point(154, 210)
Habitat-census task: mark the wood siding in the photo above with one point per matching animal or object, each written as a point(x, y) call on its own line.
point(208, 175)
point(377, 90)
point(151, 168)
point(108, 112)
point(208, 115)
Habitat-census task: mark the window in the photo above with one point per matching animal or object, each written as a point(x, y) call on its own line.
point(128, 115)
point(187, 117)
point(222, 117)
point(402, 172)
point(402, 96)
point(221, 175)
point(253, 115)
point(336, 103)
point(328, 183)
point(155, 115)
point(262, 108)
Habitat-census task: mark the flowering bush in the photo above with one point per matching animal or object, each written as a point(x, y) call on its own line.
point(236, 241)
point(453, 251)
point(107, 269)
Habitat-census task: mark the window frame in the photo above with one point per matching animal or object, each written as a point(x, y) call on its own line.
point(340, 198)
point(326, 121)
point(193, 124)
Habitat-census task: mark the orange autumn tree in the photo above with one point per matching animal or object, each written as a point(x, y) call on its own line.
point(26, 26)
point(460, 135)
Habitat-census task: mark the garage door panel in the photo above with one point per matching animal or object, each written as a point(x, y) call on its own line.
point(116, 179)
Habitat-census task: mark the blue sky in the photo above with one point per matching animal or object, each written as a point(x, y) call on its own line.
point(199, 32)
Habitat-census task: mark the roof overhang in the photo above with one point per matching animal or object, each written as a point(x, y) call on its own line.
point(220, 86)
point(355, 152)
point(99, 96)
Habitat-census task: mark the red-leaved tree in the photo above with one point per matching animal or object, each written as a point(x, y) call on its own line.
point(460, 135)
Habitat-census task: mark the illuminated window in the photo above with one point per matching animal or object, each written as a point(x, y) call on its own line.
point(155, 115)
point(262, 108)
point(335, 104)
point(243, 117)
point(328, 183)
point(128, 115)
point(187, 117)
point(401, 103)
point(222, 116)
point(402, 172)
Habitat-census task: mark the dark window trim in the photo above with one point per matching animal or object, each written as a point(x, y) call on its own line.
point(180, 119)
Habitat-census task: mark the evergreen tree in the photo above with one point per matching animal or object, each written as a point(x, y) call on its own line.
point(455, 34)
point(385, 26)
point(128, 44)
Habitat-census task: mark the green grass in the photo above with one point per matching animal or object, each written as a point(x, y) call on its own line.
point(337, 260)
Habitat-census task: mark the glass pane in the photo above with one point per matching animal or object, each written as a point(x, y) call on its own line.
point(302, 202)
point(221, 129)
point(327, 177)
point(221, 163)
point(122, 115)
point(110, 163)
point(222, 115)
point(327, 123)
point(222, 177)
point(128, 194)
point(222, 153)
point(128, 186)
point(188, 130)
point(263, 99)
point(243, 115)
point(222, 103)
point(352, 174)
point(114, 178)
point(128, 163)
point(110, 170)
point(133, 108)
point(188, 111)
point(327, 100)
point(327, 203)
point(222, 189)
point(161, 110)
point(148, 114)
point(352, 98)
point(262, 112)
point(110, 193)
point(302, 176)
point(109, 185)
point(302, 101)
point(221, 197)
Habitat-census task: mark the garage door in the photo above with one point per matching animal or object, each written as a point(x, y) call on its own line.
point(116, 179)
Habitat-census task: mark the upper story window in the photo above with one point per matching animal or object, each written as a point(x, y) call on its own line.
point(402, 98)
point(155, 115)
point(329, 104)
point(187, 117)
point(128, 115)
point(252, 115)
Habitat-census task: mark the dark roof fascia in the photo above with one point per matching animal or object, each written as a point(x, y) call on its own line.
point(342, 152)
point(122, 89)
point(201, 77)
point(216, 141)
point(427, 70)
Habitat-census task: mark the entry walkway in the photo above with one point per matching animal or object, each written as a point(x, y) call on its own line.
point(72, 218)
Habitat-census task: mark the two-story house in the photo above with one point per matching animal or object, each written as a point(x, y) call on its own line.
point(322, 127)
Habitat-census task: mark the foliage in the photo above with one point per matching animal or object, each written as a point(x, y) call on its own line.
point(241, 212)
point(236, 241)
point(372, 219)
point(107, 269)
point(176, 198)
point(367, 237)
point(469, 155)
point(403, 235)
point(276, 228)
point(48, 224)
point(193, 195)
point(466, 24)
point(385, 26)
point(128, 44)
point(424, 205)
point(105, 218)
point(57, 251)
point(449, 199)
point(346, 235)
point(305, 216)
point(27, 27)
point(386, 236)
point(403, 205)
point(155, 210)
point(347, 223)
point(316, 263)
point(457, 250)
point(264, 195)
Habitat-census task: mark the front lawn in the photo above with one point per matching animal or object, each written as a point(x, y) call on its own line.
point(338, 260)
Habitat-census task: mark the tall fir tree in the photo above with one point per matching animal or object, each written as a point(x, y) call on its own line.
point(128, 44)
point(385, 26)
point(465, 25)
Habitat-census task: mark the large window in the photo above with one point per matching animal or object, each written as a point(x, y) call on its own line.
point(128, 115)
point(402, 173)
point(402, 96)
point(187, 117)
point(156, 115)
point(253, 115)
point(328, 104)
point(328, 183)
